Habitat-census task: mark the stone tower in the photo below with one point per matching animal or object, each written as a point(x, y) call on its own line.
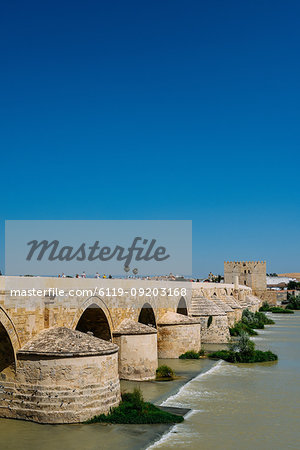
point(250, 273)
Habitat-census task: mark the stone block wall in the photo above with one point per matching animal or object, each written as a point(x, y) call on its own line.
point(250, 273)
point(137, 356)
point(231, 316)
point(238, 314)
point(267, 296)
point(61, 390)
point(176, 339)
point(217, 332)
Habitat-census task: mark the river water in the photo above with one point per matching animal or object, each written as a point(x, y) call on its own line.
point(232, 406)
point(245, 406)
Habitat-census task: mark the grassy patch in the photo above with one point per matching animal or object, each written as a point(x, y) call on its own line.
point(165, 373)
point(133, 409)
point(192, 354)
point(237, 357)
point(243, 351)
point(264, 307)
point(294, 304)
point(278, 310)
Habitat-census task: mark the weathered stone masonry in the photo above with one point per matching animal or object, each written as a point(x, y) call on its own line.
point(65, 382)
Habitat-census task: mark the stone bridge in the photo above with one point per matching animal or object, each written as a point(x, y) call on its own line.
point(42, 350)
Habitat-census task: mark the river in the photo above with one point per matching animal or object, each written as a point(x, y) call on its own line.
point(245, 406)
point(232, 406)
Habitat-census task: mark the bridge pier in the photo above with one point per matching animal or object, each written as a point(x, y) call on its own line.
point(177, 334)
point(214, 322)
point(63, 376)
point(137, 350)
point(226, 309)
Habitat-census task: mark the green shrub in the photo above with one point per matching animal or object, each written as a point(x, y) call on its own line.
point(242, 345)
point(135, 398)
point(265, 307)
point(261, 317)
point(240, 327)
point(293, 285)
point(192, 354)
point(236, 357)
point(278, 310)
point(294, 303)
point(243, 351)
point(249, 322)
point(133, 409)
point(256, 320)
point(164, 373)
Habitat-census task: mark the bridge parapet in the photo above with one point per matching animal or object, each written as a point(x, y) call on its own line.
point(37, 303)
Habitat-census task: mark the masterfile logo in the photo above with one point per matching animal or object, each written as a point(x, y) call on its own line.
point(119, 247)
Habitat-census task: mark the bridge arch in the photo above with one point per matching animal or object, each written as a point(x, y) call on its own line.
point(93, 316)
point(9, 344)
point(182, 307)
point(147, 316)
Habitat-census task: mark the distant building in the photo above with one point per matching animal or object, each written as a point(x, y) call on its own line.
point(278, 282)
point(250, 273)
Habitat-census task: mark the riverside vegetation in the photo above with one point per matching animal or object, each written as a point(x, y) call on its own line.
point(192, 354)
point(275, 309)
point(133, 409)
point(250, 321)
point(243, 351)
point(164, 373)
point(294, 303)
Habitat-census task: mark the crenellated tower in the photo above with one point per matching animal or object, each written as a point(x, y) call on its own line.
point(250, 273)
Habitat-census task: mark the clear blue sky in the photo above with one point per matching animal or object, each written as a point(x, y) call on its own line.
point(159, 110)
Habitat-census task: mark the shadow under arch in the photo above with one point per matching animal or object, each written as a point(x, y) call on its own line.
point(9, 344)
point(94, 317)
point(147, 316)
point(182, 307)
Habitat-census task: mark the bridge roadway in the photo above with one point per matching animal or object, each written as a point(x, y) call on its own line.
point(29, 305)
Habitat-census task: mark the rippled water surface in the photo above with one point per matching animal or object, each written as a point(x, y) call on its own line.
point(245, 406)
